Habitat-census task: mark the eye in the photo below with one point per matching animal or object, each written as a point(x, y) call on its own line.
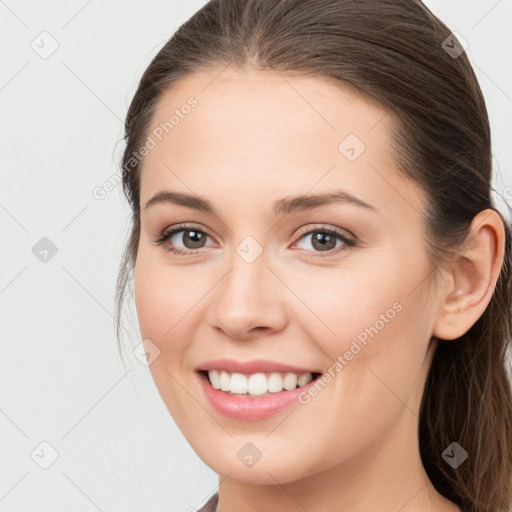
point(323, 240)
point(193, 238)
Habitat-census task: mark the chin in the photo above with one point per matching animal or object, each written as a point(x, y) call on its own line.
point(265, 471)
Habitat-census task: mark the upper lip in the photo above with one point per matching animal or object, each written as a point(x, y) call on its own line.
point(253, 366)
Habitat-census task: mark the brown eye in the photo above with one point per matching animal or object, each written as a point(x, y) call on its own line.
point(323, 240)
point(190, 237)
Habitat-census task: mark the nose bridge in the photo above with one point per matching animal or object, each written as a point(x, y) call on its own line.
point(245, 298)
point(246, 284)
point(248, 268)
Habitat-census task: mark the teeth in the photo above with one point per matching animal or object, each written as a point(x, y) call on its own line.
point(238, 383)
point(290, 381)
point(257, 384)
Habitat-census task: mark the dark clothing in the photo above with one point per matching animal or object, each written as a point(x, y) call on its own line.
point(211, 504)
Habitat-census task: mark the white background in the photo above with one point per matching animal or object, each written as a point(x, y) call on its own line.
point(61, 375)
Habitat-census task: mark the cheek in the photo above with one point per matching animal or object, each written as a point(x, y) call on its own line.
point(376, 296)
point(162, 300)
point(146, 295)
point(377, 346)
point(350, 304)
point(167, 299)
point(157, 293)
point(372, 321)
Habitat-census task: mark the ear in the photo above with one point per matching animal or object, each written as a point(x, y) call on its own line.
point(472, 278)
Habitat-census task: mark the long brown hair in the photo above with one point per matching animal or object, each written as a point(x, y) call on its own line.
point(398, 53)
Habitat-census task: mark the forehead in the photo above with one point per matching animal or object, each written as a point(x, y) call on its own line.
point(266, 135)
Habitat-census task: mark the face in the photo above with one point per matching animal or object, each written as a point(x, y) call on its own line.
point(334, 288)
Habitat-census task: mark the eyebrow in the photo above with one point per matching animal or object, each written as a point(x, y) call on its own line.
point(282, 207)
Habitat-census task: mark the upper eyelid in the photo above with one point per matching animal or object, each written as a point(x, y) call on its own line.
point(178, 228)
point(339, 231)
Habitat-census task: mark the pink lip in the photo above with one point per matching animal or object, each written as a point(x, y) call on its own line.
point(247, 408)
point(254, 366)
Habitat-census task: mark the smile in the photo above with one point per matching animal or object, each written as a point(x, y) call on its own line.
point(265, 393)
point(257, 384)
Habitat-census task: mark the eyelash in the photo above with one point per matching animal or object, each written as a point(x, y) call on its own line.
point(348, 242)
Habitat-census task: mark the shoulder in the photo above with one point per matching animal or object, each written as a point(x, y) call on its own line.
point(211, 504)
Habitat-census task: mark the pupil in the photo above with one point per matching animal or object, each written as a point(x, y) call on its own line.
point(197, 235)
point(323, 241)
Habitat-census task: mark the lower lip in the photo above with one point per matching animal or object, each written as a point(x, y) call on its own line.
point(247, 408)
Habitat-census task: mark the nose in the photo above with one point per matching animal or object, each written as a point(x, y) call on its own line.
point(248, 301)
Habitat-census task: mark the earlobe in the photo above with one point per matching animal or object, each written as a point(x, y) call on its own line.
point(473, 277)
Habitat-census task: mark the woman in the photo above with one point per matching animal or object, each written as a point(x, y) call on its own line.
point(322, 280)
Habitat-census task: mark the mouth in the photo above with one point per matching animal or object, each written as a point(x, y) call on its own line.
point(255, 396)
point(258, 384)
